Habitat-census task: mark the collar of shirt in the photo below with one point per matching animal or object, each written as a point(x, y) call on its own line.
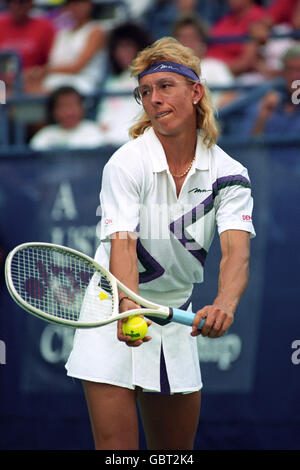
point(158, 157)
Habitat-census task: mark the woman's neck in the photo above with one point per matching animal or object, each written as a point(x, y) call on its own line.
point(179, 149)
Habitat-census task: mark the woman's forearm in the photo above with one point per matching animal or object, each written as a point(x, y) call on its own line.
point(234, 270)
point(123, 260)
point(233, 280)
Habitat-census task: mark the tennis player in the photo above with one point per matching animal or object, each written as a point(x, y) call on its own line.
point(163, 194)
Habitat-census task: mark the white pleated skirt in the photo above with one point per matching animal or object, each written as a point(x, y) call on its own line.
point(169, 363)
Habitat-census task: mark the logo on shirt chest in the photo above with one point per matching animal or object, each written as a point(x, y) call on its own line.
point(198, 190)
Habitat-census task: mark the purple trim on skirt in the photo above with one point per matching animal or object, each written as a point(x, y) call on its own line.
point(164, 381)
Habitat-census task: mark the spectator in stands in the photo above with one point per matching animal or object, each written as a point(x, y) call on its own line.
point(283, 12)
point(67, 126)
point(278, 113)
point(281, 17)
point(29, 36)
point(239, 56)
point(161, 16)
point(77, 55)
point(190, 31)
point(125, 41)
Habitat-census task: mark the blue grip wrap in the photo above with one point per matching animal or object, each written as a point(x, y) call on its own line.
point(184, 317)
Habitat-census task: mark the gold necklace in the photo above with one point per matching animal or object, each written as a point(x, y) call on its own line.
point(186, 171)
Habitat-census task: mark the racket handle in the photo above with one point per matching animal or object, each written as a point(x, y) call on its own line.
point(184, 317)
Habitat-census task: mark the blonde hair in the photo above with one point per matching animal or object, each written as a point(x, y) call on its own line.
point(170, 49)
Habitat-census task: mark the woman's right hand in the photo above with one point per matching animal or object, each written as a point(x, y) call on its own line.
point(128, 304)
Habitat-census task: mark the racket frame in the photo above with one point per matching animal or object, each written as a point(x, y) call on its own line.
point(150, 308)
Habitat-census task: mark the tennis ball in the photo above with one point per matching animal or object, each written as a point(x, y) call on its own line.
point(135, 327)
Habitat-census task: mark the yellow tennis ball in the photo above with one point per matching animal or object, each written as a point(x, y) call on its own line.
point(135, 327)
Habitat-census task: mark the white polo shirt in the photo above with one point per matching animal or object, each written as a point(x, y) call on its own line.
point(175, 233)
point(139, 195)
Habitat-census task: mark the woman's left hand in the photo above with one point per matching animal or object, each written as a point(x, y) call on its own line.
point(217, 321)
point(128, 304)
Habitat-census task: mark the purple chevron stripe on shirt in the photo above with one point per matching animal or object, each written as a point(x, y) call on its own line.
point(200, 210)
point(199, 253)
point(178, 227)
point(231, 178)
point(153, 269)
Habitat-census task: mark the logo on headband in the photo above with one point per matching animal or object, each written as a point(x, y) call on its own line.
point(172, 67)
point(163, 66)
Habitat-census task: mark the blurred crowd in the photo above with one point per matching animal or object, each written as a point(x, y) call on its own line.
point(75, 54)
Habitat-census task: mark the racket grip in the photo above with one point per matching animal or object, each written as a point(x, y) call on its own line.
point(184, 317)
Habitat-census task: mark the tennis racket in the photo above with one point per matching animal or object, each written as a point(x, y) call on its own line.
point(63, 286)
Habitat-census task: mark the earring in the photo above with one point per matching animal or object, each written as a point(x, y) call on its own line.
point(195, 102)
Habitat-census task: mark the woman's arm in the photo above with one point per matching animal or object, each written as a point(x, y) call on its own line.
point(35, 75)
point(233, 279)
point(247, 60)
point(123, 260)
point(123, 265)
point(95, 42)
point(266, 109)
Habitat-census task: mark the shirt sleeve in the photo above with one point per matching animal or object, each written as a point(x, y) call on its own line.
point(234, 203)
point(119, 202)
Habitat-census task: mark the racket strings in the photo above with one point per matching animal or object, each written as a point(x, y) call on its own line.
point(63, 286)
